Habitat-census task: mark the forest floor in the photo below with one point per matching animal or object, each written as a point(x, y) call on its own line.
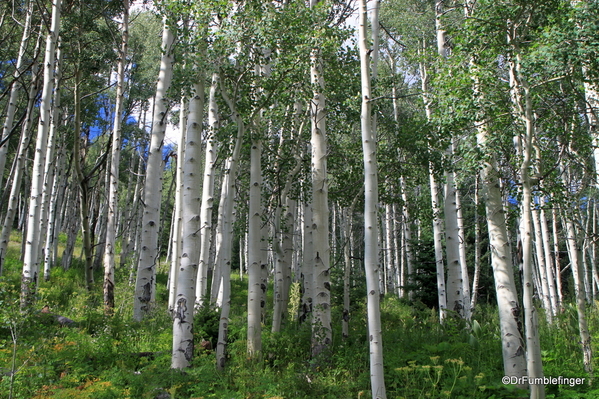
point(103, 357)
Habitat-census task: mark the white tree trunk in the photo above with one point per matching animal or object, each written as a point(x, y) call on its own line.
point(33, 240)
point(307, 268)
point(522, 105)
point(254, 333)
point(207, 193)
point(574, 255)
point(148, 254)
point(321, 310)
point(477, 247)
point(371, 267)
point(224, 244)
point(51, 160)
point(514, 359)
point(51, 248)
point(190, 249)
point(455, 287)
point(19, 168)
point(407, 234)
point(115, 161)
point(15, 89)
point(176, 241)
point(549, 264)
point(542, 265)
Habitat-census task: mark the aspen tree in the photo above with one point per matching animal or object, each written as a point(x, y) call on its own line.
point(514, 359)
point(33, 240)
point(84, 208)
point(175, 239)
point(307, 270)
point(346, 218)
point(111, 228)
point(435, 201)
point(148, 253)
point(16, 87)
point(50, 168)
point(371, 267)
point(19, 165)
point(190, 248)
point(224, 239)
point(254, 334)
point(207, 192)
point(521, 101)
point(574, 254)
point(321, 296)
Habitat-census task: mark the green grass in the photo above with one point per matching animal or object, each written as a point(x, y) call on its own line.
point(105, 357)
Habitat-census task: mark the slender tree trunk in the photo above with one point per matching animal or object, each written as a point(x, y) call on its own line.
point(190, 249)
point(82, 180)
point(437, 221)
point(51, 168)
point(176, 241)
point(514, 359)
point(207, 193)
point(54, 223)
point(574, 255)
point(307, 269)
point(19, 167)
point(33, 240)
point(254, 334)
point(462, 253)
point(521, 101)
point(15, 88)
point(114, 167)
point(407, 234)
point(550, 270)
point(371, 267)
point(148, 255)
point(347, 221)
point(542, 265)
point(477, 246)
point(321, 310)
point(455, 292)
point(226, 219)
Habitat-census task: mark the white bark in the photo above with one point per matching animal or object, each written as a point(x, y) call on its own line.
point(521, 101)
point(321, 307)
point(514, 360)
point(19, 169)
point(176, 240)
point(16, 88)
point(148, 254)
point(190, 248)
point(321, 310)
point(477, 247)
point(407, 237)
point(224, 241)
point(32, 241)
point(115, 161)
point(542, 265)
point(455, 288)
point(438, 244)
point(371, 267)
point(207, 193)
point(583, 330)
point(556, 259)
point(307, 269)
point(254, 332)
point(550, 270)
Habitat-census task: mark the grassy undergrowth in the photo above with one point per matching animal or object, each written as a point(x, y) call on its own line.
point(114, 357)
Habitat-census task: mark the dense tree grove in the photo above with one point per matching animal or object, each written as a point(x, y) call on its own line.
point(301, 166)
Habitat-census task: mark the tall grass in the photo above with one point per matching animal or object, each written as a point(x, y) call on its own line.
point(115, 357)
